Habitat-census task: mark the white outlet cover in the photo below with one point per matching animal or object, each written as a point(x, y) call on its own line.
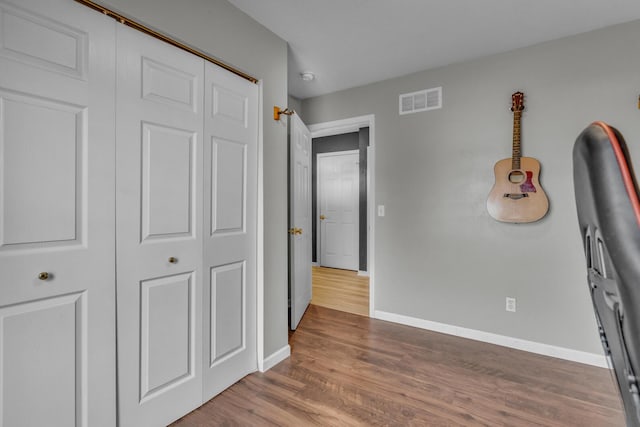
point(380, 210)
point(510, 304)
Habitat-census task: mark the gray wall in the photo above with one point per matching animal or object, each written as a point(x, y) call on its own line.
point(439, 256)
point(219, 29)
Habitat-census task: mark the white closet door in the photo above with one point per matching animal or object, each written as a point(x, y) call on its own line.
point(57, 292)
point(159, 230)
point(230, 152)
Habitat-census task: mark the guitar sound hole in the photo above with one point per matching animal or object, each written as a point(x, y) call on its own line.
point(516, 177)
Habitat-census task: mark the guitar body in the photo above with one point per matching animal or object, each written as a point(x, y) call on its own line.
point(517, 195)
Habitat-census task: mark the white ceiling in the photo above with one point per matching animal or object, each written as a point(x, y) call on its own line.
point(349, 43)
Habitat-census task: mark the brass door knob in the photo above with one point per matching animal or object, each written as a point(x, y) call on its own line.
point(43, 276)
point(298, 230)
point(322, 217)
point(173, 260)
point(292, 231)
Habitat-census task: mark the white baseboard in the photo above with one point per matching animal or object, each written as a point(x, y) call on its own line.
point(274, 359)
point(363, 273)
point(505, 341)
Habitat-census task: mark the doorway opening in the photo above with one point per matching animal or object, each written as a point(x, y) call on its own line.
point(349, 286)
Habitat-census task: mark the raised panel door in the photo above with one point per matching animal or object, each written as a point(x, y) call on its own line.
point(57, 299)
point(230, 245)
point(300, 220)
point(159, 230)
point(338, 185)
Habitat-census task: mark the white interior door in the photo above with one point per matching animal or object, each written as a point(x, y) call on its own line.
point(299, 220)
point(57, 292)
point(159, 230)
point(338, 182)
point(230, 218)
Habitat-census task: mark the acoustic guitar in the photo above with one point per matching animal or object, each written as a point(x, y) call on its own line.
point(517, 195)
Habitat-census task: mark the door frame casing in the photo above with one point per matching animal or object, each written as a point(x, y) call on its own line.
point(353, 124)
point(318, 199)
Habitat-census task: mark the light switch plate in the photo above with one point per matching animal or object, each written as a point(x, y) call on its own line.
point(380, 210)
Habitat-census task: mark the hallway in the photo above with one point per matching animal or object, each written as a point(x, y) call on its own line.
point(341, 290)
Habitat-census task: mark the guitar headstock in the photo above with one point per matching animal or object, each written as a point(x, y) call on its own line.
point(517, 102)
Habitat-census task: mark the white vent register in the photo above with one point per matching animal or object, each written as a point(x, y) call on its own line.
point(423, 100)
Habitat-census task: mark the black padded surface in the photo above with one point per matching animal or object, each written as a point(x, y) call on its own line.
point(611, 234)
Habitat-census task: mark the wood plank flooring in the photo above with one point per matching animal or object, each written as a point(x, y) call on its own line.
point(341, 290)
point(349, 370)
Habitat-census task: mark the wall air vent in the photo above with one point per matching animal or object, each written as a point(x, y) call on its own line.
point(423, 100)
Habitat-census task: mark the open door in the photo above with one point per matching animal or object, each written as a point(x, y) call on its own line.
point(299, 219)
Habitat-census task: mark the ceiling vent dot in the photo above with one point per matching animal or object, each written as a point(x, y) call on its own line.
point(422, 100)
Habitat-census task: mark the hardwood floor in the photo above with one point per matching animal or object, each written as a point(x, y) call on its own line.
point(341, 290)
point(349, 370)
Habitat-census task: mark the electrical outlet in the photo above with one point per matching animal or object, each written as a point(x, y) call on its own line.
point(511, 304)
point(380, 210)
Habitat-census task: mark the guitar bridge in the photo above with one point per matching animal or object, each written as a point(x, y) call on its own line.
point(515, 196)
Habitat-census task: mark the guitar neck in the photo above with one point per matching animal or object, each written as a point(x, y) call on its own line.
point(516, 153)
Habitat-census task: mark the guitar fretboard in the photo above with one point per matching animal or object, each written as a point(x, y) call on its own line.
point(516, 154)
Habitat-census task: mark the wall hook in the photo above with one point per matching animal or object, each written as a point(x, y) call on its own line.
point(277, 112)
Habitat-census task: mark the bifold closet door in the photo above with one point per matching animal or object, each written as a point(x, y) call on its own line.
point(230, 246)
point(187, 148)
point(57, 284)
point(159, 230)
